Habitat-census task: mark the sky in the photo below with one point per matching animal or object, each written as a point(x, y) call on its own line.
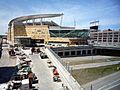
point(80, 11)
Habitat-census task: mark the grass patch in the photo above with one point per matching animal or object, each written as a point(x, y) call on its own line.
point(114, 59)
point(84, 76)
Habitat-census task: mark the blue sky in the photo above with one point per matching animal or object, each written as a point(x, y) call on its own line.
point(82, 11)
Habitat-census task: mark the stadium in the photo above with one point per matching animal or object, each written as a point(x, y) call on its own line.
point(36, 30)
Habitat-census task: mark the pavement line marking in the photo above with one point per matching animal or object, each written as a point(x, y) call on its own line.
point(112, 86)
point(108, 84)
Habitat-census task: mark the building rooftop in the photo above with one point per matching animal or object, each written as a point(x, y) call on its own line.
point(30, 17)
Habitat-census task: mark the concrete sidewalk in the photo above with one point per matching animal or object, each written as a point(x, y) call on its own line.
point(6, 60)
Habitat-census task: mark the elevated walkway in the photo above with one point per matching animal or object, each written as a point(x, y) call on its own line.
point(66, 77)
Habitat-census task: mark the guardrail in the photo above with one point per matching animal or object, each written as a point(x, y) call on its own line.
point(66, 77)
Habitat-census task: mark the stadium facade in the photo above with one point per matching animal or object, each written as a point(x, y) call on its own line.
point(34, 29)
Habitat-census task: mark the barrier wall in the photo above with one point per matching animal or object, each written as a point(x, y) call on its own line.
point(66, 77)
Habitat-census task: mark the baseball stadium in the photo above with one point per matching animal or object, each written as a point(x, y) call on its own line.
point(36, 30)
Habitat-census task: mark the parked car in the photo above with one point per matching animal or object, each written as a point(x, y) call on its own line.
point(43, 55)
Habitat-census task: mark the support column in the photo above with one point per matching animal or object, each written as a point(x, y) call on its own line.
point(75, 53)
point(69, 53)
point(95, 51)
point(91, 51)
point(86, 52)
point(81, 52)
point(63, 53)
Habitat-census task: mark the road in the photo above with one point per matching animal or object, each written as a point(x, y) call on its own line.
point(93, 65)
point(110, 82)
point(44, 74)
point(116, 87)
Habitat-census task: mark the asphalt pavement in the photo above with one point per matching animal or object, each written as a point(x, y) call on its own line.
point(44, 74)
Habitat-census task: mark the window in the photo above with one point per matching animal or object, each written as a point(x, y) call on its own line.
point(60, 53)
point(67, 53)
point(38, 30)
point(69, 33)
point(78, 52)
point(72, 52)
